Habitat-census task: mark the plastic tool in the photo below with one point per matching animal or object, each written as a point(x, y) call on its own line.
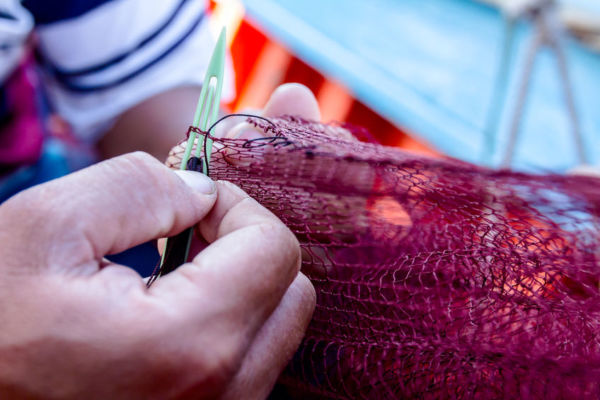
point(176, 250)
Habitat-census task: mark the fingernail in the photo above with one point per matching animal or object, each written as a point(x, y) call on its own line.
point(249, 135)
point(197, 181)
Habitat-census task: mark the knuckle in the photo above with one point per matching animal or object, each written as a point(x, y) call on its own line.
point(286, 242)
point(142, 167)
point(139, 162)
point(220, 364)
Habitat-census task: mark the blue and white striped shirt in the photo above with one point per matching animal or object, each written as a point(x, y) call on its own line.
point(100, 57)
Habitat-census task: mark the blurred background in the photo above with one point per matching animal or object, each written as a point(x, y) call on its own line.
point(496, 82)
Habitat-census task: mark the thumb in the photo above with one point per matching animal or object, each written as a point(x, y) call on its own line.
point(103, 209)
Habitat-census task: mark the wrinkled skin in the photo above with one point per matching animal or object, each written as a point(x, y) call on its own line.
point(77, 326)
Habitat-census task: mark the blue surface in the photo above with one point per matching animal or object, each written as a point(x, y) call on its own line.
point(430, 67)
point(142, 258)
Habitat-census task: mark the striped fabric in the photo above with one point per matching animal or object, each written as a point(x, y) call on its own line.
point(101, 57)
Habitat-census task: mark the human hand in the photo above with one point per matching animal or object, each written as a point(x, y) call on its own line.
point(76, 326)
point(297, 100)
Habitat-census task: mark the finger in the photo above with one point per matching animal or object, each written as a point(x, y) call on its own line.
point(293, 99)
point(296, 99)
point(586, 170)
point(244, 272)
point(275, 343)
point(225, 126)
point(104, 209)
point(287, 99)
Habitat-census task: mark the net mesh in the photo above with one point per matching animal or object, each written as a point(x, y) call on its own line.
point(434, 278)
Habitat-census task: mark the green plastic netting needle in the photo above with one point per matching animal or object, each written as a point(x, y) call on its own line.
point(176, 249)
point(208, 103)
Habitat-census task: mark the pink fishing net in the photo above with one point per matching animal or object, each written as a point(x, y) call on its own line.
point(434, 278)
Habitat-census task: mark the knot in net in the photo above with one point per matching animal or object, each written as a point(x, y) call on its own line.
point(434, 278)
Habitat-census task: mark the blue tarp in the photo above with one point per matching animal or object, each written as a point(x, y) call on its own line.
point(430, 67)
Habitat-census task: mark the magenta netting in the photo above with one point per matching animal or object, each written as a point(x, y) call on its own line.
point(434, 278)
